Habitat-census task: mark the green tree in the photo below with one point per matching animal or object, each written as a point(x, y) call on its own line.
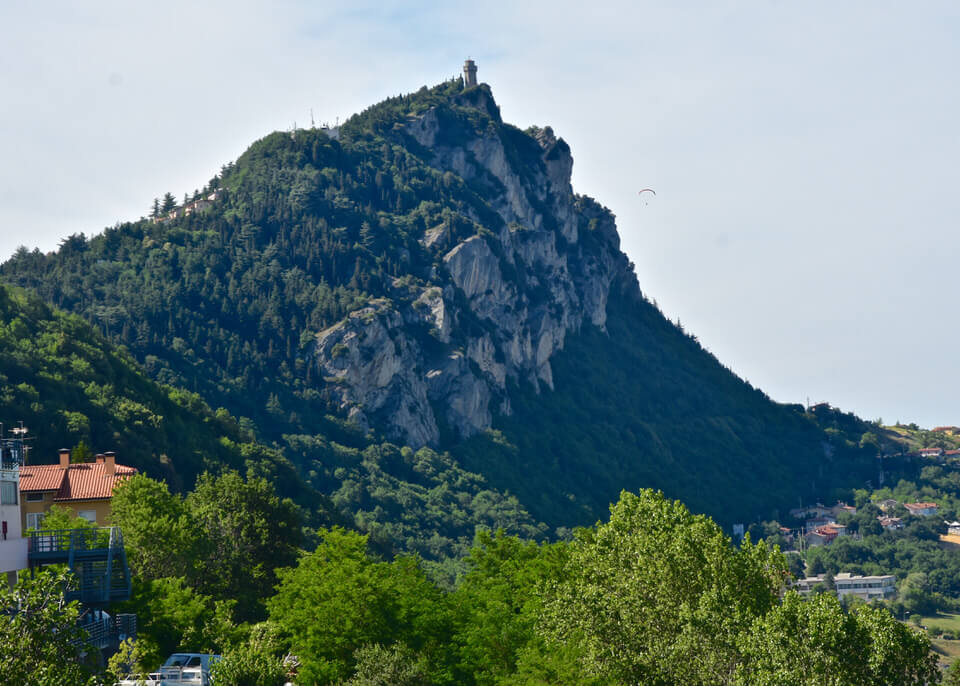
point(160, 537)
point(952, 676)
point(393, 666)
point(172, 616)
point(249, 533)
point(497, 602)
point(337, 600)
point(42, 645)
point(815, 642)
point(255, 663)
point(168, 203)
point(915, 594)
point(60, 517)
point(659, 596)
point(81, 453)
point(127, 662)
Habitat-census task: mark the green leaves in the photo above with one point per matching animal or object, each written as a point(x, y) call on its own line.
point(226, 539)
point(658, 595)
point(160, 538)
point(247, 532)
point(814, 642)
point(41, 641)
point(498, 601)
point(337, 599)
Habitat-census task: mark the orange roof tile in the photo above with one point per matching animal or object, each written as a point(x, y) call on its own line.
point(41, 477)
point(86, 481)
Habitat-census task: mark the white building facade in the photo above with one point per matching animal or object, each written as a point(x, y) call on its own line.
point(13, 546)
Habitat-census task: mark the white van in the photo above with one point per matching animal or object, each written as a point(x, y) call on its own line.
point(180, 669)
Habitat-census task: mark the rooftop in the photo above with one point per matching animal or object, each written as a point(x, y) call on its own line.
point(87, 481)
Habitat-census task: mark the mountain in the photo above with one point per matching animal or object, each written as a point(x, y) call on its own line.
point(423, 280)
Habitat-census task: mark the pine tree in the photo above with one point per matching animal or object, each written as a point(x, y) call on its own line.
point(169, 202)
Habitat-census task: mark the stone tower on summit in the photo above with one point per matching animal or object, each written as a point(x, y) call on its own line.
point(469, 74)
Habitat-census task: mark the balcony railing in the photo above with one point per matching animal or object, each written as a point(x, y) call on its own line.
point(77, 540)
point(95, 556)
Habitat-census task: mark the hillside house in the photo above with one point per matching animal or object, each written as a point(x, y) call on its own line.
point(825, 534)
point(890, 523)
point(85, 488)
point(953, 528)
point(817, 511)
point(887, 505)
point(931, 452)
point(840, 508)
point(812, 524)
point(845, 584)
point(921, 509)
point(865, 587)
point(198, 205)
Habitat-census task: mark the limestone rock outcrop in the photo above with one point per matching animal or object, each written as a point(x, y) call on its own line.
point(498, 304)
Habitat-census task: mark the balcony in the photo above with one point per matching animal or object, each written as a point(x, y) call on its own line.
point(95, 556)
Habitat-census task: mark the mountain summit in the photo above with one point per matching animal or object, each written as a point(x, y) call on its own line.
point(425, 275)
point(519, 264)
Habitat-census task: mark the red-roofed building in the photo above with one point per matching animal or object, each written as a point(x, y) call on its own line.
point(85, 488)
point(825, 534)
point(921, 509)
point(890, 523)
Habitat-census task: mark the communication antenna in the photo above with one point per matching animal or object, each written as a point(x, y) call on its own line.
point(312, 124)
point(13, 451)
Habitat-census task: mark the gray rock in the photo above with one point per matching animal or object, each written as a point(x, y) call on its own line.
point(527, 284)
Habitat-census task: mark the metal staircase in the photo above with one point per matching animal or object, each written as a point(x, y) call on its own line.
point(95, 556)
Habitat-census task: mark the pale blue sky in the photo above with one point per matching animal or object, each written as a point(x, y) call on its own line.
point(803, 154)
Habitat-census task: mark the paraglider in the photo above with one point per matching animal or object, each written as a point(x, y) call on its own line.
point(646, 190)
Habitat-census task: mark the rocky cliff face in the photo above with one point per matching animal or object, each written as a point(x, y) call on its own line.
point(497, 304)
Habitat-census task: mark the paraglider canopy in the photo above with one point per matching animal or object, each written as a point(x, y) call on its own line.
point(646, 190)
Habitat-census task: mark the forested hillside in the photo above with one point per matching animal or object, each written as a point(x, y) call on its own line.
point(70, 386)
point(424, 276)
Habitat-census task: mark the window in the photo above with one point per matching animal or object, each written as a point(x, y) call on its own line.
point(34, 520)
point(89, 515)
point(34, 497)
point(8, 492)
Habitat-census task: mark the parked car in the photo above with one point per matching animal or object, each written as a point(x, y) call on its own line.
point(180, 669)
